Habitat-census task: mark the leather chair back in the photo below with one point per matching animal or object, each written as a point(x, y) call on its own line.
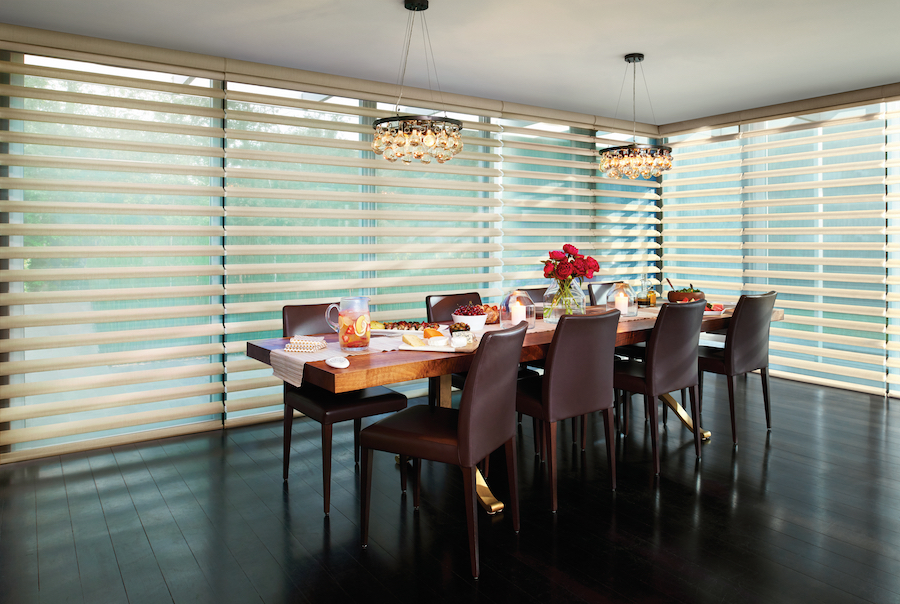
point(598, 292)
point(440, 307)
point(578, 375)
point(672, 349)
point(747, 339)
point(487, 409)
point(304, 319)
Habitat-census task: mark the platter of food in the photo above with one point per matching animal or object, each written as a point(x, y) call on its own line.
point(398, 328)
point(713, 309)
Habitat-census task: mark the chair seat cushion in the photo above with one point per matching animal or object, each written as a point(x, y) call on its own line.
point(629, 376)
point(419, 431)
point(711, 359)
point(529, 396)
point(328, 408)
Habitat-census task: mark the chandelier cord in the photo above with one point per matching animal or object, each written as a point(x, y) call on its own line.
point(647, 90)
point(437, 80)
point(401, 75)
point(634, 104)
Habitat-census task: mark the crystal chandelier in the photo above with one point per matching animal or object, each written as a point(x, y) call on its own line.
point(423, 137)
point(635, 160)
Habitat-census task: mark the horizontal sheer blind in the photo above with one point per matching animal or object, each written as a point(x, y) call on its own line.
point(795, 205)
point(312, 215)
point(554, 194)
point(111, 269)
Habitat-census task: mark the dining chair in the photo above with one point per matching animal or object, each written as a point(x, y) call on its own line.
point(440, 307)
point(670, 364)
point(746, 349)
point(577, 380)
point(484, 422)
point(599, 291)
point(323, 406)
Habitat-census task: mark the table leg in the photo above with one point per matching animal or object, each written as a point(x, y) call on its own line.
point(675, 406)
point(485, 497)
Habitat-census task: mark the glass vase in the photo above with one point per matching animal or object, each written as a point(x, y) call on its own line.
point(563, 298)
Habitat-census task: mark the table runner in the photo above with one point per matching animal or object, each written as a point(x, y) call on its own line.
point(288, 366)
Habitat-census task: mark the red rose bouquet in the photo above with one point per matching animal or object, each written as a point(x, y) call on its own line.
point(565, 268)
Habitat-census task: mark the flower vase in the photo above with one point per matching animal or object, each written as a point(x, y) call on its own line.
point(563, 298)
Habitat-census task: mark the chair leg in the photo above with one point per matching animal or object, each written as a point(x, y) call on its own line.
point(404, 461)
point(654, 430)
point(583, 431)
point(764, 375)
point(519, 418)
point(550, 439)
point(626, 400)
point(434, 387)
point(537, 436)
point(288, 423)
point(512, 472)
point(417, 476)
point(609, 424)
point(700, 388)
point(730, 379)
point(326, 464)
point(471, 516)
point(575, 430)
point(365, 487)
point(357, 426)
point(485, 466)
point(695, 413)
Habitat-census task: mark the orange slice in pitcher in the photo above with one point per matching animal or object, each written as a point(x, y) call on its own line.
point(362, 324)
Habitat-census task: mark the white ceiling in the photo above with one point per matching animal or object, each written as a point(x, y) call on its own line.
point(704, 57)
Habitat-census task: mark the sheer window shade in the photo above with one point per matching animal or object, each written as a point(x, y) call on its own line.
point(553, 194)
point(312, 215)
point(795, 205)
point(112, 271)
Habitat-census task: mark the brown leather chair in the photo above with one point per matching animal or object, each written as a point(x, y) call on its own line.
point(746, 349)
point(669, 365)
point(578, 379)
point(323, 406)
point(440, 308)
point(484, 422)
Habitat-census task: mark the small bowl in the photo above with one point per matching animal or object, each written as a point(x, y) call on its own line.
point(685, 296)
point(475, 322)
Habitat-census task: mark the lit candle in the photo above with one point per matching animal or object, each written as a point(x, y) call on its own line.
point(622, 302)
point(516, 312)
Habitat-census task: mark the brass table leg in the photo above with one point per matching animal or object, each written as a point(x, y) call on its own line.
point(675, 406)
point(490, 503)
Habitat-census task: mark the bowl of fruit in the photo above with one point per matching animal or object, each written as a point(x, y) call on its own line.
point(685, 294)
point(471, 314)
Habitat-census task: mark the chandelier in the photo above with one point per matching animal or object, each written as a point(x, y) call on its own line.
point(422, 137)
point(646, 161)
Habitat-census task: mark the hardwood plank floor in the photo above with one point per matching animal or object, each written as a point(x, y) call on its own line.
point(807, 513)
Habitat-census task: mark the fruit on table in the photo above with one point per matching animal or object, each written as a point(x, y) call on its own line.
point(376, 325)
point(459, 327)
point(715, 307)
point(469, 310)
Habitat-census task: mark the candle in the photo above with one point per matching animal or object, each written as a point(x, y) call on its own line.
point(516, 312)
point(622, 302)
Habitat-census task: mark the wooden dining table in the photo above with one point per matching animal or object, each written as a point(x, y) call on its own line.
point(384, 368)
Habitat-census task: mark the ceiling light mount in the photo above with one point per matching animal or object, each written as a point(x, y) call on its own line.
point(421, 137)
point(634, 160)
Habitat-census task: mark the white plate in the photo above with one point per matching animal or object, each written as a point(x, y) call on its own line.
point(427, 348)
point(712, 313)
point(444, 329)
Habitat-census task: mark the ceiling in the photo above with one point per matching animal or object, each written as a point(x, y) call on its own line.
point(703, 57)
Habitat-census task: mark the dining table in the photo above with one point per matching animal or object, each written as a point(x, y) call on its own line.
point(395, 366)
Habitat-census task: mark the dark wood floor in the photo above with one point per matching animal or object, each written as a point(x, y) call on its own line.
point(808, 513)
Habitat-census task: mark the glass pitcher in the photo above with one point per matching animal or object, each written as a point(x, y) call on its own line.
point(353, 323)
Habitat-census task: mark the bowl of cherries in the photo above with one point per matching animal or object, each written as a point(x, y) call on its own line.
point(471, 314)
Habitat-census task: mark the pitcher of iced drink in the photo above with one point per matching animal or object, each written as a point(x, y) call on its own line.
point(353, 323)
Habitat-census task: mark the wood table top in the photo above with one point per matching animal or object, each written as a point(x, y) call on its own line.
point(381, 368)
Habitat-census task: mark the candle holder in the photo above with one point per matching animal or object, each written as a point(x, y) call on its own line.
point(622, 298)
point(517, 306)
